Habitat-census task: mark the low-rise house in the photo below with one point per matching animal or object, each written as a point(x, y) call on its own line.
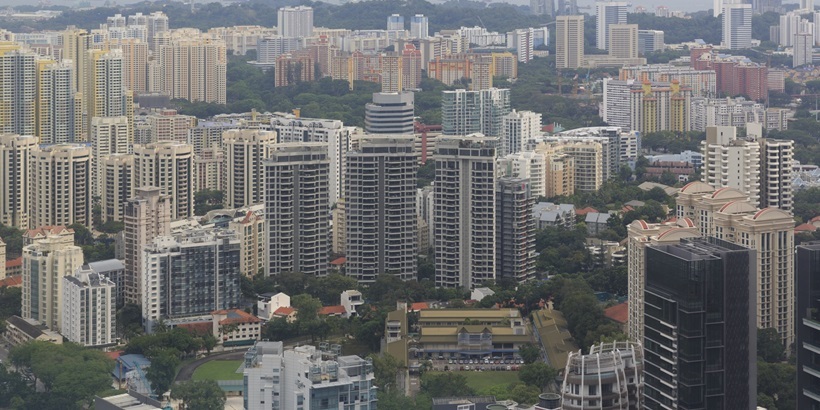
point(268, 303)
point(351, 300)
point(236, 327)
point(20, 331)
point(285, 312)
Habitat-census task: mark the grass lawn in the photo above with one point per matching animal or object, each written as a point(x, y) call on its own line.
point(480, 380)
point(218, 370)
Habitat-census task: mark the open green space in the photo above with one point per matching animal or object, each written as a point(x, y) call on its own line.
point(218, 370)
point(481, 380)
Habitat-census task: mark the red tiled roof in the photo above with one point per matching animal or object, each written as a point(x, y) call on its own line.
point(45, 230)
point(236, 316)
point(332, 310)
point(339, 261)
point(12, 281)
point(14, 263)
point(815, 219)
point(585, 211)
point(415, 307)
point(197, 328)
point(618, 313)
point(805, 228)
point(284, 311)
point(114, 355)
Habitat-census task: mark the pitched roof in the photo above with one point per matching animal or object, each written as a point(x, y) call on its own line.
point(798, 228)
point(29, 329)
point(584, 211)
point(236, 316)
point(339, 261)
point(332, 310)
point(618, 313)
point(197, 328)
point(284, 311)
point(415, 307)
point(46, 230)
point(12, 281)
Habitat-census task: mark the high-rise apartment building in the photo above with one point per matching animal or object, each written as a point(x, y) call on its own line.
point(391, 73)
point(560, 179)
point(589, 165)
point(191, 273)
point(607, 13)
point(245, 150)
point(523, 41)
point(803, 51)
point(295, 22)
point(89, 308)
point(776, 165)
point(467, 112)
point(518, 129)
point(380, 209)
point(650, 41)
point(543, 7)
point(15, 159)
point(134, 62)
point(18, 83)
point(657, 107)
point(640, 235)
point(390, 113)
point(76, 44)
point(168, 125)
point(737, 26)
point(623, 40)
point(731, 162)
point(296, 197)
point(109, 135)
point(59, 115)
point(569, 42)
point(395, 22)
point(419, 27)
point(147, 216)
point(105, 94)
point(808, 325)
point(610, 377)
point(209, 170)
point(250, 230)
point(699, 326)
point(155, 24)
point(529, 165)
point(116, 173)
point(45, 263)
point(168, 166)
point(300, 378)
point(515, 231)
point(60, 185)
point(192, 66)
point(465, 211)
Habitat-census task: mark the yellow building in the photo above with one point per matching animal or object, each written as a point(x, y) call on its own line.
point(470, 333)
point(660, 107)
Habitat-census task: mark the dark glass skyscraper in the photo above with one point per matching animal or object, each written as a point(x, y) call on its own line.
point(699, 326)
point(808, 326)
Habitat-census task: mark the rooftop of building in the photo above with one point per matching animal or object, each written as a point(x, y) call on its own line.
point(461, 314)
point(284, 311)
point(235, 316)
point(130, 401)
point(107, 265)
point(12, 281)
point(332, 310)
point(618, 313)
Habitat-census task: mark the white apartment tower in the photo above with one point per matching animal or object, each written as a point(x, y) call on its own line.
point(105, 94)
point(467, 112)
point(192, 66)
point(296, 197)
point(569, 42)
point(531, 165)
point(464, 220)
point(641, 234)
point(245, 150)
point(623, 40)
point(803, 49)
point(59, 108)
point(15, 159)
point(295, 22)
point(606, 14)
point(419, 27)
point(147, 216)
point(731, 162)
point(380, 209)
point(116, 173)
point(89, 308)
point(518, 129)
point(737, 26)
point(395, 22)
point(60, 185)
point(776, 163)
point(45, 263)
point(168, 166)
point(109, 135)
point(18, 89)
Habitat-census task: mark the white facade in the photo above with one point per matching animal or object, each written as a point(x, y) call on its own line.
point(168, 166)
point(615, 109)
point(607, 13)
point(89, 308)
point(737, 26)
point(109, 135)
point(519, 128)
point(15, 158)
point(244, 152)
point(523, 41)
point(268, 304)
point(419, 27)
point(730, 162)
point(526, 164)
point(351, 300)
point(60, 185)
point(776, 167)
point(295, 21)
point(803, 49)
point(569, 42)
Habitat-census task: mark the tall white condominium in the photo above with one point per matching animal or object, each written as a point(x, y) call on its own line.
point(542, 7)
point(59, 108)
point(531, 165)
point(191, 273)
point(467, 112)
point(807, 5)
point(192, 66)
point(296, 193)
point(640, 235)
point(395, 22)
point(776, 164)
point(147, 216)
point(244, 152)
point(15, 159)
point(155, 23)
point(569, 42)
point(515, 230)
point(731, 162)
point(168, 166)
point(523, 41)
point(380, 209)
point(105, 94)
point(803, 49)
point(419, 27)
point(76, 44)
point(18, 89)
point(390, 113)
point(790, 25)
point(135, 62)
point(464, 220)
point(737, 26)
point(45, 263)
point(89, 308)
point(60, 185)
point(295, 21)
point(117, 185)
point(519, 128)
point(299, 378)
point(606, 14)
point(109, 135)
point(623, 40)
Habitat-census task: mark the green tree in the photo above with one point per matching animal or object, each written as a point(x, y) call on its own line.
point(770, 345)
point(525, 394)
point(13, 238)
point(385, 368)
point(529, 353)
point(206, 201)
point(329, 288)
point(199, 395)
point(307, 307)
point(537, 374)
point(777, 381)
point(445, 385)
point(12, 386)
point(163, 370)
point(209, 342)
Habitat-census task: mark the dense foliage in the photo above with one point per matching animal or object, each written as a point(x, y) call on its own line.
point(199, 395)
point(13, 238)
